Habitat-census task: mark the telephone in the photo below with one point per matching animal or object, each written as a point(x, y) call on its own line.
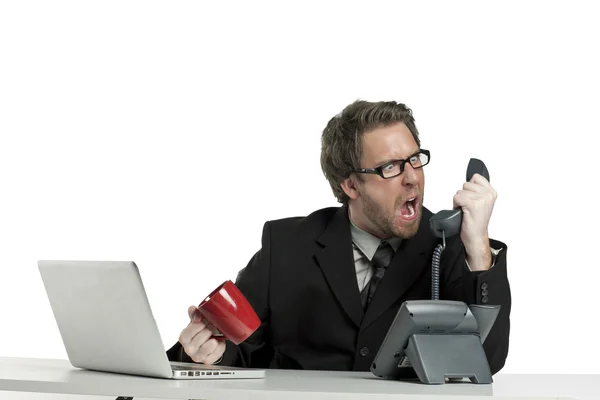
point(447, 223)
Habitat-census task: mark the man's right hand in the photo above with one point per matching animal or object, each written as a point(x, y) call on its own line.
point(197, 339)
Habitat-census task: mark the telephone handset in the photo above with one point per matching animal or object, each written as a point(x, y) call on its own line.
point(447, 223)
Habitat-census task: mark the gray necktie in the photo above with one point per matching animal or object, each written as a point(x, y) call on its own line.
point(381, 260)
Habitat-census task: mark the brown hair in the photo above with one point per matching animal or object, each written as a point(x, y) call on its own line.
point(341, 146)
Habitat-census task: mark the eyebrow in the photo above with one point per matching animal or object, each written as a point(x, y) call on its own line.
point(388, 160)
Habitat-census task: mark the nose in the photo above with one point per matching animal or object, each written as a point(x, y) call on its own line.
point(409, 176)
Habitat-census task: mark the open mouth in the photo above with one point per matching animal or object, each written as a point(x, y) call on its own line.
point(408, 210)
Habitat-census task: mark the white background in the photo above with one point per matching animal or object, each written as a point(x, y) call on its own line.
point(168, 132)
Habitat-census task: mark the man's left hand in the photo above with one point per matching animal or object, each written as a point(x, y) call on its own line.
point(476, 199)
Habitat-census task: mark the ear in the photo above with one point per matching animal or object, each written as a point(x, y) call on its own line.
point(350, 187)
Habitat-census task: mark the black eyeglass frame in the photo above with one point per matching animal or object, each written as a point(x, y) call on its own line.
point(379, 170)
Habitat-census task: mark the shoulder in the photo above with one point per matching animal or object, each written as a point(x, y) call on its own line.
point(311, 225)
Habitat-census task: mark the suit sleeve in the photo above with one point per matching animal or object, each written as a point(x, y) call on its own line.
point(253, 281)
point(481, 287)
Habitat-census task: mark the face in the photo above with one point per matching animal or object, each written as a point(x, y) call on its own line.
point(387, 207)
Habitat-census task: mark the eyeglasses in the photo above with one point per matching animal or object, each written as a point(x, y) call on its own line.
point(396, 167)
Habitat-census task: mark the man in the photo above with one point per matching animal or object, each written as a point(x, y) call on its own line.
point(313, 281)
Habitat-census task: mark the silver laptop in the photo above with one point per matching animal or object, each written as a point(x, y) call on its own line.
point(106, 323)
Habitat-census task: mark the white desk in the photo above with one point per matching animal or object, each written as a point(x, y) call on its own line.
point(57, 376)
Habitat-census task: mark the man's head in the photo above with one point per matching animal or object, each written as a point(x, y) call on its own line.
point(361, 147)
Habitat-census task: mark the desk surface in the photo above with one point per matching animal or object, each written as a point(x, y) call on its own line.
point(58, 376)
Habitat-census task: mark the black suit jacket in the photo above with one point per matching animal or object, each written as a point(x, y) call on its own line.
point(303, 286)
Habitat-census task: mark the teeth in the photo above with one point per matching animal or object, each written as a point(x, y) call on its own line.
point(411, 210)
point(410, 207)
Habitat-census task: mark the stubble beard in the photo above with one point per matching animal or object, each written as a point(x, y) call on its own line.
point(391, 225)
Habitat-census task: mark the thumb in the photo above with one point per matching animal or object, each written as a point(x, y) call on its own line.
point(191, 312)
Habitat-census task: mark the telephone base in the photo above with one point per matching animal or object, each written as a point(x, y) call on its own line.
point(435, 357)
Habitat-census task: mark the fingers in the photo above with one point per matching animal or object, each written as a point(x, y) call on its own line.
point(467, 198)
point(463, 198)
point(480, 180)
point(474, 187)
point(218, 353)
point(197, 340)
point(190, 332)
point(195, 326)
point(209, 351)
point(213, 354)
point(197, 343)
point(478, 185)
point(196, 318)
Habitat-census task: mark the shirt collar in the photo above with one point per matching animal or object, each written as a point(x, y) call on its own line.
point(368, 243)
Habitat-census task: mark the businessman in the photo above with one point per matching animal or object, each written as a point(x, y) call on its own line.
point(328, 286)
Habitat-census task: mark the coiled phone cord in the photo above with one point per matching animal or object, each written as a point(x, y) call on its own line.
point(435, 268)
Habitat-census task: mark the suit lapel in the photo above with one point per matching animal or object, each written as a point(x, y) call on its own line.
point(337, 262)
point(409, 262)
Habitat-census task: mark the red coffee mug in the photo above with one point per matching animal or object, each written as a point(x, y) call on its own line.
point(228, 310)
